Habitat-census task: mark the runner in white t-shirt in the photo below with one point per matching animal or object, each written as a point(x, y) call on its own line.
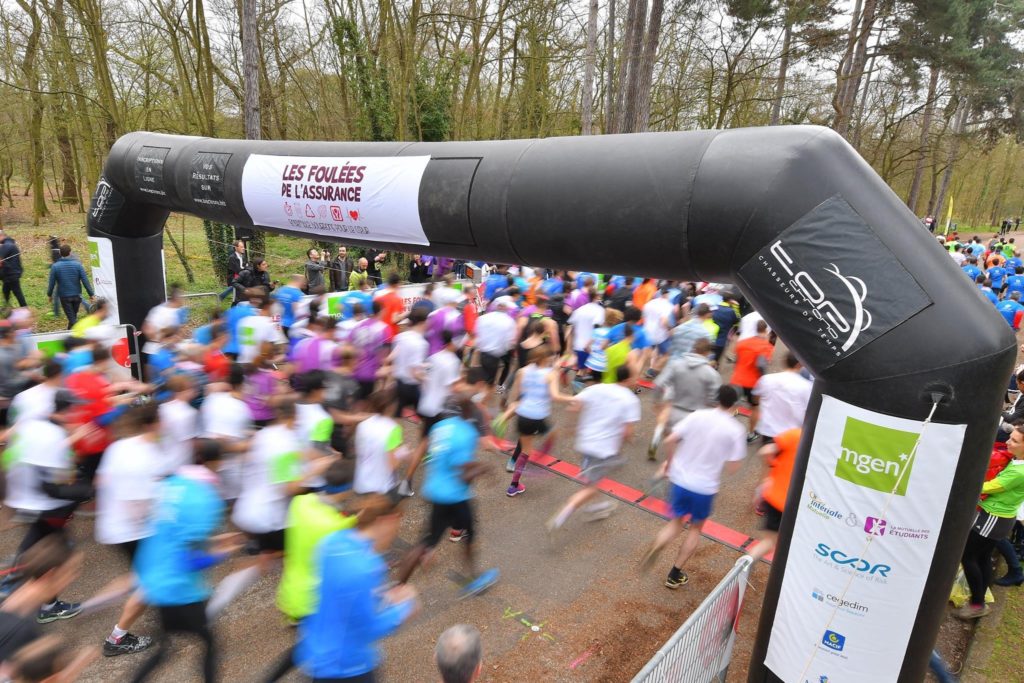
point(659, 319)
point(127, 484)
point(782, 399)
point(583, 321)
point(608, 416)
point(255, 330)
point(274, 470)
point(377, 442)
point(36, 403)
point(179, 425)
point(407, 358)
point(701, 448)
point(225, 417)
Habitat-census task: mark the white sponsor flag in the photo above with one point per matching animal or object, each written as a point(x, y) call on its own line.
point(860, 554)
point(363, 198)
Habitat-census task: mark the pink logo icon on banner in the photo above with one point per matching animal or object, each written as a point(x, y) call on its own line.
point(354, 215)
point(337, 214)
point(875, 526)
point(288, 208)
point(310, 213)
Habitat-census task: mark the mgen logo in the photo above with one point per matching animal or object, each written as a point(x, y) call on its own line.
point(874, 457)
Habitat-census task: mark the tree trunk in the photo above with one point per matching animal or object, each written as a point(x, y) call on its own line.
point(926, 124)
point(845, 66)
point(609, 90)
point(35, 133)
point(250, 70)
point(633, 78)
point(780, 81)
point(954, 148)
point(587, 123)
point(624, 56)
point(650, 53)
point(90, 15)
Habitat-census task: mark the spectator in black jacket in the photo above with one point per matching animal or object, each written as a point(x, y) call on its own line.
point(341, 269)
point(236, 264)
point(10, 270)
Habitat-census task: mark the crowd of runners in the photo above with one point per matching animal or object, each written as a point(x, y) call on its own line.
point(287, 441)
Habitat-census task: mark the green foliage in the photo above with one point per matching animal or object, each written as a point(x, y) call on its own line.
point(377, 112)
point(219, 238)
point(433, 116)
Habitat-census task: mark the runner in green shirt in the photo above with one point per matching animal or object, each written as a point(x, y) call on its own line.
point(311, 517)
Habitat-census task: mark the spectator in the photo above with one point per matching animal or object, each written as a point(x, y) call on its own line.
point(417, 270)
point(68, 277)
point(459, 654)
point(375, 261)
point(10, 269)
point(359, 278)
point(236, 264)
point(341, 269)
point(314, 271)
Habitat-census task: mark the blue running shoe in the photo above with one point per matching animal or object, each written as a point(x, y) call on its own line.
point(480, 583)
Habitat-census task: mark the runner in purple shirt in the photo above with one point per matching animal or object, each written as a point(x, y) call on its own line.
point(448, 318)
point(370, 338)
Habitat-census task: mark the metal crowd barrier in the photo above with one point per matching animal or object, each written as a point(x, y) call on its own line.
point(700, 651)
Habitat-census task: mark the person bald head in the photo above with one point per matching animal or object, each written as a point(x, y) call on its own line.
point(459, 654)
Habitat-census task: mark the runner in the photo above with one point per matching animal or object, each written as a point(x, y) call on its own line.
point(659, 318)
point(377, 442)
point(257, 329)
point(687, 384)
point(494, 340)
point(170, 562)
point(407, 359)
point(39, 482)
point(450, 470)
point(779, 456)
point(608, 415)
point(782, 400)
point(179, 425)
point(338, 640)
point(311, 517)
point(371, 338)
point(225, 418)
point(684, 335)
point(535, 387)
point(753, 354)
point(589, 315)
point(702, 447)
point(126, 489)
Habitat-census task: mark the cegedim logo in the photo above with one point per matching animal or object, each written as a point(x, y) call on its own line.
point(874, 457)
point(851, 607)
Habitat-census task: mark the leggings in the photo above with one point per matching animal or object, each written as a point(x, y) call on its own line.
point(977, 561)
point(190, 618)
point(49, 522)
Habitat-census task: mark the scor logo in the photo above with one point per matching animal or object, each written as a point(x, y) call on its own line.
point(842, 328)
point(874, 457)
point(856, 563)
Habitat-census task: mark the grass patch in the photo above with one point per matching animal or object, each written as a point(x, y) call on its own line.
point(1004, 664)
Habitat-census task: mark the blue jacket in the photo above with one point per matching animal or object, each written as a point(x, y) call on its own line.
point(69, 276)
point(169, 563)
point(339, 640)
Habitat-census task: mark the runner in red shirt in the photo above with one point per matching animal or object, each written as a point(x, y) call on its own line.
point(391, 303)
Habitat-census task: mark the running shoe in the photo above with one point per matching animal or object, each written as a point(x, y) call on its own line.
point(405, 489)
point(676, 583)
point(458, 535)
point(513, 491)
point(480, 583)
point(60, 610)
point(652, 450)
point(751, 437)
point(129, 644)
point(510, 466)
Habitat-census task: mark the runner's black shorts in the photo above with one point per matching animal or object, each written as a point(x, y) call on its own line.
point(366, 388)
point(528, 426)
point(269, 542)
point(408, 395)
point(772, 519)
point(489, 368)
point(449, 516)
point(748, 394)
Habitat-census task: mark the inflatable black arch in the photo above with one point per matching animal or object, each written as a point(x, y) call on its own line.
point(812, 236)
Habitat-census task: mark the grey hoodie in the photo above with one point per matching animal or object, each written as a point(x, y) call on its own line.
point(689, 383)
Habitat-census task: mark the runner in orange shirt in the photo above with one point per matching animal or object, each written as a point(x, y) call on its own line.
point(644, 293)
point(779, 456)
point(752, 357)
point(391, 303)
